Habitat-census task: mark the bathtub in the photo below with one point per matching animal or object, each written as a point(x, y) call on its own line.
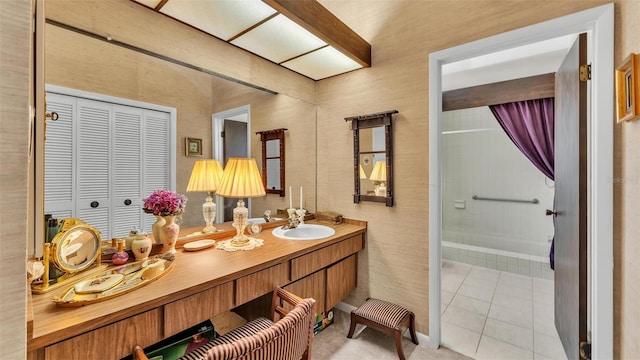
point(531, 265)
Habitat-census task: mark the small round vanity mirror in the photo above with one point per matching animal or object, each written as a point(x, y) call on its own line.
point(76, 246)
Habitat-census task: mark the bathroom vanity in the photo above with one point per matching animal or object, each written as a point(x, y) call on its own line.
point(200, 285)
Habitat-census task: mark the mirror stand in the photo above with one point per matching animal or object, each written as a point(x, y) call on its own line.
point(74, 253)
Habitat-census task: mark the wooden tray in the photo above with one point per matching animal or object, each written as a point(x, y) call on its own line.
point(136, 275)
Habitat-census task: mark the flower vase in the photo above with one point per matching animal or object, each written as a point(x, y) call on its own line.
point(141, 247)
point(156, 229)
point(169, 234)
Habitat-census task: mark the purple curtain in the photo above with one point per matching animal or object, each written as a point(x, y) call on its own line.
point(529, 124)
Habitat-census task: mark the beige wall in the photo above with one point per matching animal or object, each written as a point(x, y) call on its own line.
point(15, 35)
point(394, 264)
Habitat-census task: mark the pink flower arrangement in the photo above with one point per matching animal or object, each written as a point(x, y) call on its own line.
point(164, 203)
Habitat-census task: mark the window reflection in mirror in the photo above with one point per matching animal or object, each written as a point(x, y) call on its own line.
point(373, 157)
point(273, 165)
point(273, 160)
point(372, 154)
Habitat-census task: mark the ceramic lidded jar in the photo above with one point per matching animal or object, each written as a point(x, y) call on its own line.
point(141, 246)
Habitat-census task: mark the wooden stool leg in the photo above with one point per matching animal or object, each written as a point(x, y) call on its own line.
point(412, 329)
point(353, 325)
point(398, 337)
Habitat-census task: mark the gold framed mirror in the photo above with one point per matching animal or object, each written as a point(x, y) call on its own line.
point(76, 246)
point(74, 253)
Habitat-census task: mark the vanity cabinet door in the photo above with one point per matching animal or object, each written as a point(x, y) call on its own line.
point(341, 280)
point(312, 286)
point(113, 341)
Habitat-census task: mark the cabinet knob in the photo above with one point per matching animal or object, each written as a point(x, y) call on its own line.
point(127, 202)
point(94, 204)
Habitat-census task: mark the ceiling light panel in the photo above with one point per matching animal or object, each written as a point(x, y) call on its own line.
point(322, 63)
point(278, 39)
point(220, 18)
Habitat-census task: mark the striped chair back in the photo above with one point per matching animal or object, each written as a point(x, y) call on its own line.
point(290, 338)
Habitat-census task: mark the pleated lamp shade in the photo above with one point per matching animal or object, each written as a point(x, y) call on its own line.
point(205, 176)
point(362, 174)
point(379, 172)
point(241, 179)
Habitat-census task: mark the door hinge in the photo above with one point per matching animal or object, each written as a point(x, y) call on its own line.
point(585, 72)
point(221, 134)
point(585, 350)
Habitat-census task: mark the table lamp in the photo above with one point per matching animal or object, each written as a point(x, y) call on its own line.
point(241, 179)
point(379, 177)
point(206, 176)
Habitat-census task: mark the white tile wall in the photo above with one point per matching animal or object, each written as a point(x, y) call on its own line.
point(487, 163)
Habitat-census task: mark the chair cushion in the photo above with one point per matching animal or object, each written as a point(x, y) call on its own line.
point(382, 312)
point(247, 329)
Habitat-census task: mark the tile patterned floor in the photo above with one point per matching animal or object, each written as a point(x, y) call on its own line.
point(492, 314)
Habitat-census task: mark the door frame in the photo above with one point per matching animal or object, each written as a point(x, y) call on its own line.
point(597, 22)
point(217, 145)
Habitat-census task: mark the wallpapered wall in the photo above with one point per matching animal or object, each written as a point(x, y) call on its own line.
point(394, 264)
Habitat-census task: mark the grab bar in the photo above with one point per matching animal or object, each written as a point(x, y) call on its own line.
point(532, 201)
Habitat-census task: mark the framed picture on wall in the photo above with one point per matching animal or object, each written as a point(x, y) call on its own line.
point(628, 89)
point(193, 146)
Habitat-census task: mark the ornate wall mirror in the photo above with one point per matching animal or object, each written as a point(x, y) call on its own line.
point(373, 157)
point(74, 250)
point(273, 160)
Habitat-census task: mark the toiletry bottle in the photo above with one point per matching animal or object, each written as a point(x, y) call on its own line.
point(121, 256)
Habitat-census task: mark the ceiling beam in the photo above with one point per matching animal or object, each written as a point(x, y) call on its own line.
point(534, 87)
point(316, 19)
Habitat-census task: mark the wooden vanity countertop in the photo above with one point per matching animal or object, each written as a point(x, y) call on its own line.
point(193, 272)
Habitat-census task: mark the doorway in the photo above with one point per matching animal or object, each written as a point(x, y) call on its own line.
point(598, 24)
point(231, 134)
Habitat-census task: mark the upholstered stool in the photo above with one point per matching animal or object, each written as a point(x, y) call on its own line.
point(386, 317)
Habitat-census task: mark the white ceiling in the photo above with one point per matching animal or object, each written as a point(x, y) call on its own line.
point(258, 28)
point(534, 59)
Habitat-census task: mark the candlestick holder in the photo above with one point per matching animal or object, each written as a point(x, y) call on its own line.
point(300, 213)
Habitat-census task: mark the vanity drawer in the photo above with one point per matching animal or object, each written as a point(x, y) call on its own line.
point(113, 341)
point(312, 262)
point(259, 283)
point(194, 309)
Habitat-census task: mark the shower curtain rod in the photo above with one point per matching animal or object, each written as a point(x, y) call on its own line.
point(532, 201)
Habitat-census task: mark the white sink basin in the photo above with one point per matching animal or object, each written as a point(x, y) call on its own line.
point(304, 232)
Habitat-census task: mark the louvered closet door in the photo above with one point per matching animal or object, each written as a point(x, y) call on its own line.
point(58, 152)
point(156, 158)
point(126, 172)
point(93, 142)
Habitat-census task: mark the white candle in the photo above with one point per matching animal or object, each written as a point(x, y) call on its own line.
point(290, 199)
point(300, 197)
